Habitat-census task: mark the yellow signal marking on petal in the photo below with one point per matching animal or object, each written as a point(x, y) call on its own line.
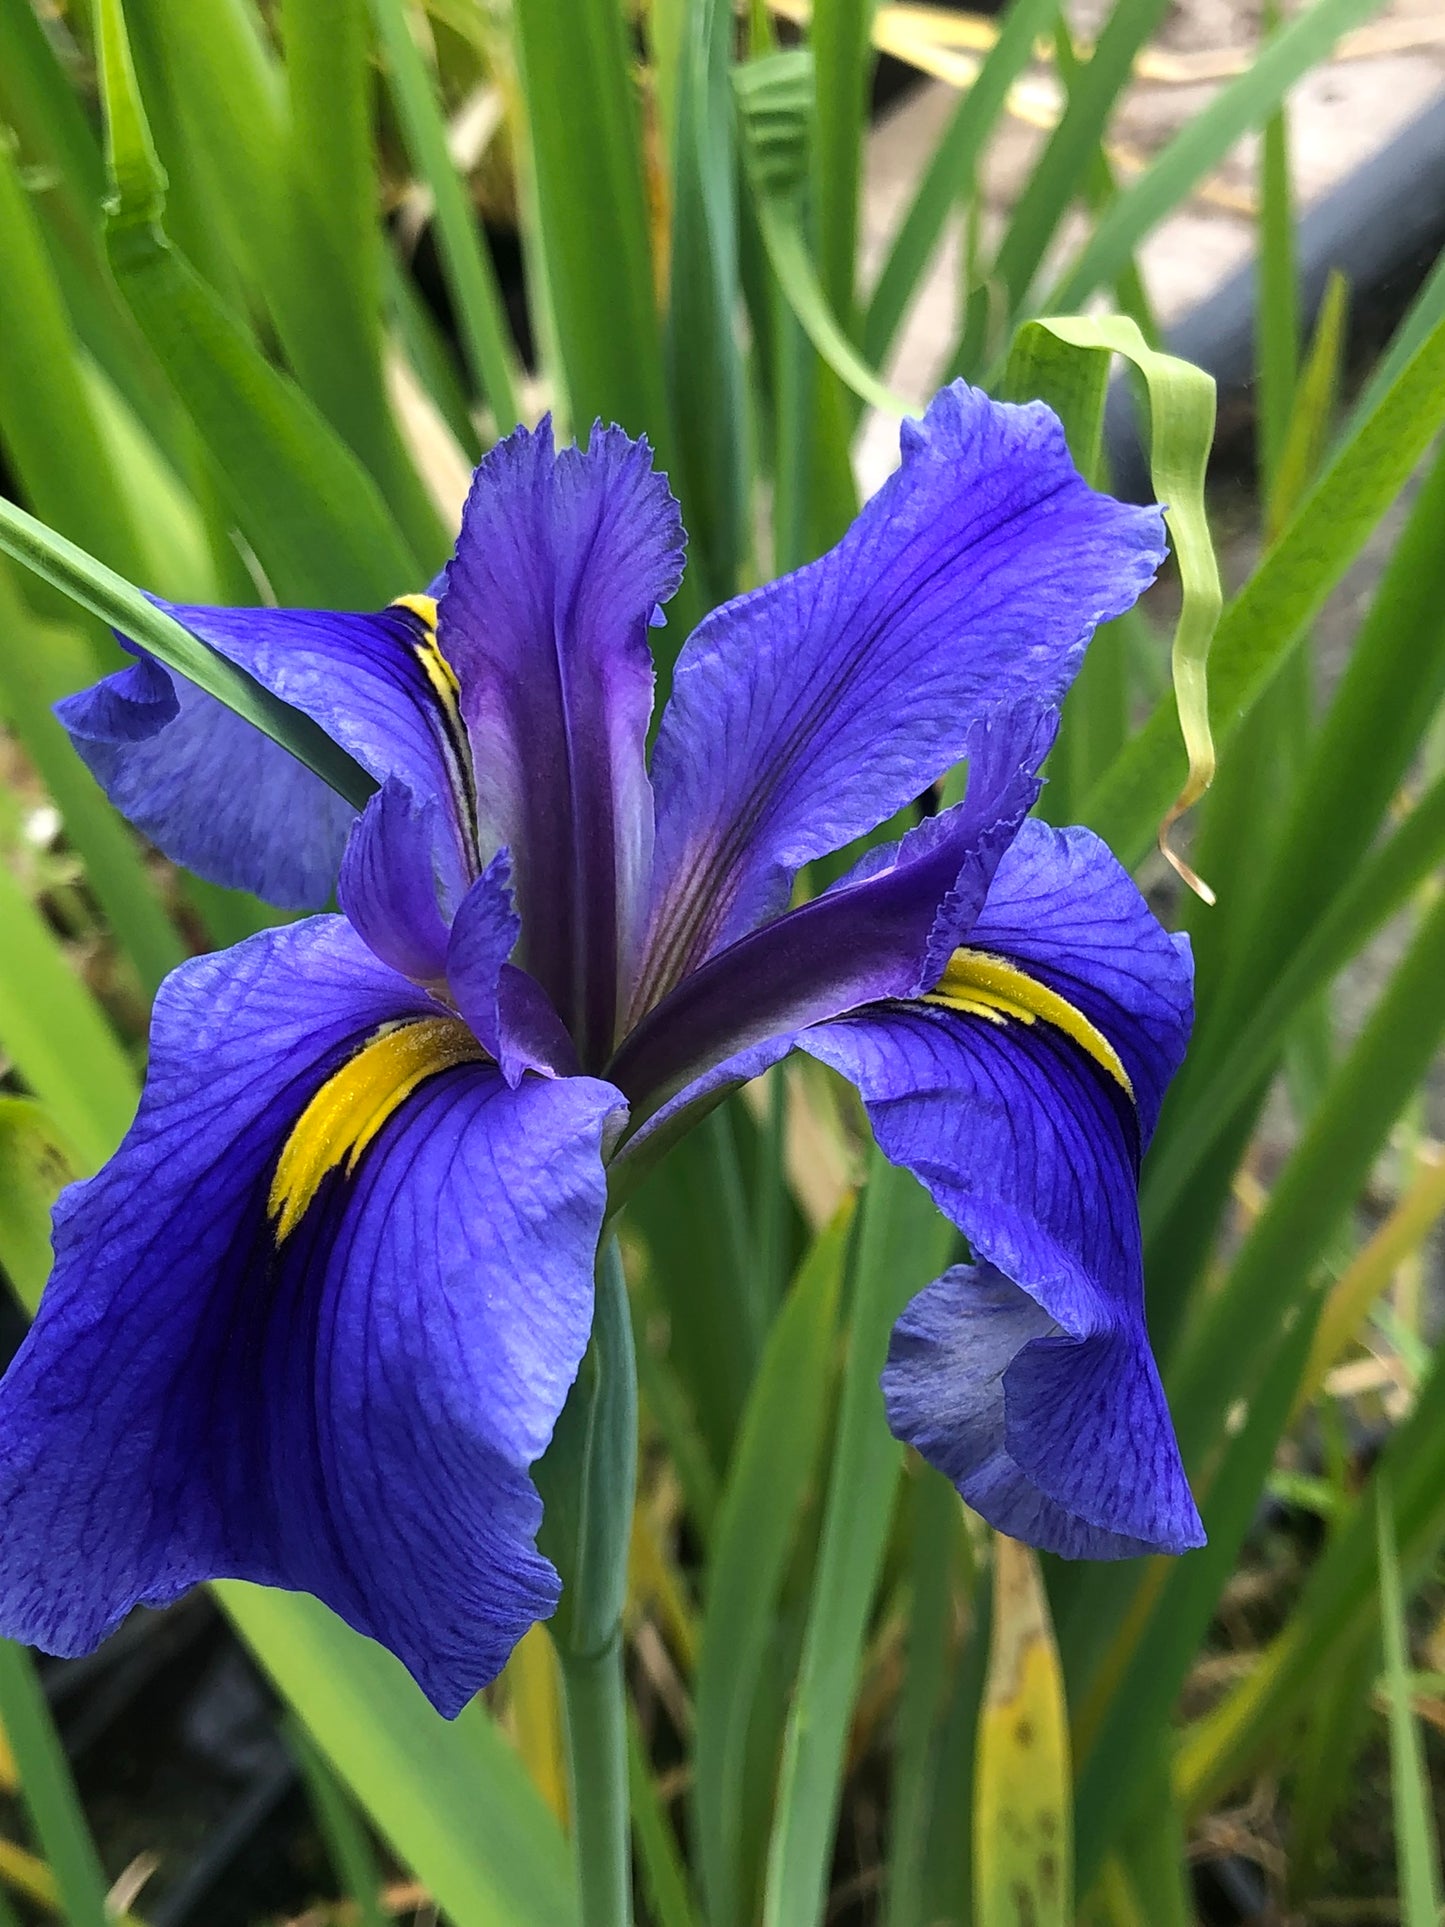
point(987, 986)
point(353, 1104)
point(445, 685)
point(438, 671)
point(424, 607)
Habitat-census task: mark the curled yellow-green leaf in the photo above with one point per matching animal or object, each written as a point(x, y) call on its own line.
point(1181, 430)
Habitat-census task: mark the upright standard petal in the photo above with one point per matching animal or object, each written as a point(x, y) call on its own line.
point(401, 882)
point(561, 564)
point(807, 712)
point(312, 1324)
point(1018, 1091)
point(884, 930)
point(215, 794)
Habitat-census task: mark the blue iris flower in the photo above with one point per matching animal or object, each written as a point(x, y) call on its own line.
point(315, 1321)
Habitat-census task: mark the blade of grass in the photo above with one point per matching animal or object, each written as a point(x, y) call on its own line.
point(61, 162)
point(350, 1851)
point(336, 245)
point(1022, 1850)
point(122, 607)
point(29, 684)
point(53, 1031)
point(775, 99)
point(704, 365)
point(1415, 1839)
point(1265, 620)
point(693, 1218)
point(840, 43)
point(470, 275)
point(1325, 1174)
point(593, 212)
point(1203, 141)
point(1221, 1392)
point(1421, 318)
point(1370, 1272)
point(948, 1868)
point(34, 1167)
point(49, 1791)
point(1391, 688)
point(664, 1875)
point(1336, 1615)
point(1116, 1735)
point(1181, 431)
point(1382, 885)
point(534, 1707)
point(772, 1467)
point(902, 1243)
point(313, 516)
point(1061, 169)
point(936, 1523)
point(949, 175)
point(1360, 754)
point(45, 112)
point(1130, 295)
point(451, 1798)
point(47, 422)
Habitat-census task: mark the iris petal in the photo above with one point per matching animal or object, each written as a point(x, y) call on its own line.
point(391, 884)
point(1063, 906)
point(344, 1399)
point(1028, 1377)
point(214, 794)
point(1037, 1364)
point(878, 933)
point(561, 563)
point(807, 712)
point(1064, 1443)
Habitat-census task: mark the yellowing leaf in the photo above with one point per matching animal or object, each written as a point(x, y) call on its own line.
point(1022, 1847)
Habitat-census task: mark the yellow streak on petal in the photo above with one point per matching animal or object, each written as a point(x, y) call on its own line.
point(353, 1104)
point(438, 671)
point(992, 987)
point(424, 607)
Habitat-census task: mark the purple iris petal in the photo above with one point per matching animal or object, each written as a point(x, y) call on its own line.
point(1031, 1146)
point(505, 1008)
point(1061, 1442)
point(389, 883)
point(885, 930)
point(562, 561)
point(483, 937)
point(807, 712)
point(350, 1408)
point(208, 788)
point(216, 795)
point(1031, 1149)
point(1065, 908)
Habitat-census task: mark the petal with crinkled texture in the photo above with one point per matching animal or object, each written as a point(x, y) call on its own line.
point(342, 1399)
point(1027, 1377)
point(1062, 1442)
point(884, 930)
point(808, 711)
point(214, 793)
point(1031, 1148)
point(562, 561)
point(399, 869)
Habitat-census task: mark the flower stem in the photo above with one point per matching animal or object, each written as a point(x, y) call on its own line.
point(588, 1479)
point(597, 1750)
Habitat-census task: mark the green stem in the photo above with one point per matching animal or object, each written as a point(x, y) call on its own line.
point(587, 1480)
point(592, 1685)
